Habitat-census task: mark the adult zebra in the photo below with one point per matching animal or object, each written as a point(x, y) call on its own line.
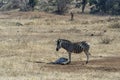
point(71, 47)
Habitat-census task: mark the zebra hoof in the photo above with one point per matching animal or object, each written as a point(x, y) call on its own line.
point(67, 62)
point(87, 62)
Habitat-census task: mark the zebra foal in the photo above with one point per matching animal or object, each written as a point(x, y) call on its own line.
point(71, 47)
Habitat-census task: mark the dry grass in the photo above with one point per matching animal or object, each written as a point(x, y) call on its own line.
point(27, 43)
point(115, 25)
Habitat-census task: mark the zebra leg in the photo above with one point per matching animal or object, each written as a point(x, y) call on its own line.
point(69, 60)
point(69, 57)
point(87, 54)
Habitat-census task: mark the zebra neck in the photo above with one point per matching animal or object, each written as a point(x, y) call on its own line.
point(66, 45)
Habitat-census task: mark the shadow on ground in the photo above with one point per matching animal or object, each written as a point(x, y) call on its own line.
point(108, 64)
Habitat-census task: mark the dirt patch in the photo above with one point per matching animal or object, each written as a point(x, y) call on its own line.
point(108, 64)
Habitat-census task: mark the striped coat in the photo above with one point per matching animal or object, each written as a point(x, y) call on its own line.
point(72, 47)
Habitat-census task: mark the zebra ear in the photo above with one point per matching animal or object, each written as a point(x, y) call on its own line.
point(55, 40)
point(58, 39)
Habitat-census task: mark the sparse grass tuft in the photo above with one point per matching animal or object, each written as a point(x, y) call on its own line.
point(19, 24)
point(115, 25)
point(29, 23)
point(106, 40)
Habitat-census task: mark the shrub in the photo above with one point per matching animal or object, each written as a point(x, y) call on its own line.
point(9, 5)
point(32, 3)
point(105, 6)
point(48, 6)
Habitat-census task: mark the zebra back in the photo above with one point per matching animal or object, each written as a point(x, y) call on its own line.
point(84, 45)
point(80, 46)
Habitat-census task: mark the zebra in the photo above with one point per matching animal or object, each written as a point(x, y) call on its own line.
point(73, 47)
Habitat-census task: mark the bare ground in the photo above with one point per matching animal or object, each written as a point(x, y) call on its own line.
point(107, 64)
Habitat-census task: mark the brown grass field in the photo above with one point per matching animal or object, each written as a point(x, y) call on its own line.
point(28, 42)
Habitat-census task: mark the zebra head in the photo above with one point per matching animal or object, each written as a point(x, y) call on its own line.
point(59, 42)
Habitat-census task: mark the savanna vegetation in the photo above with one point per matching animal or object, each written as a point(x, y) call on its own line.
point(61, 6)
point(29, 30)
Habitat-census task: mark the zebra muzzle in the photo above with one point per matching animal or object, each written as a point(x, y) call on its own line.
point(57, 49)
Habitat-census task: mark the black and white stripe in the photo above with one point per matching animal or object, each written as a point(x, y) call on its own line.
point(72, 47)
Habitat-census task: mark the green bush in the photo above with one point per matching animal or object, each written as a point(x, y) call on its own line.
point(105, 6)
point(32, 3)
point(49, 6)
point(113, 7)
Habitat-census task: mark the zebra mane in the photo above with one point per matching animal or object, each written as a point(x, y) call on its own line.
point(65, 40)
point(70, 41)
